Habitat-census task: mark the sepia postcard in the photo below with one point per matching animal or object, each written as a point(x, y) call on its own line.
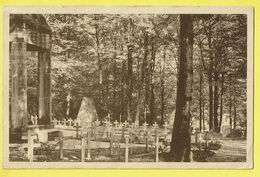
point(127, 87)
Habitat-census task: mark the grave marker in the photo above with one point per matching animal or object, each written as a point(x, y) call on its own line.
point(125, 124)
point(116, 123)
point(145, 125)
point(87, 112)
point(70, 122)
point(165, 125)
point(155, 125)
point(157, 148)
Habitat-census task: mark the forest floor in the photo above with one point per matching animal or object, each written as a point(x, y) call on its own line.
point(230, 151)
point(226, 150)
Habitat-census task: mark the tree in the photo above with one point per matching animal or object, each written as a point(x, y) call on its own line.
point(181, 138)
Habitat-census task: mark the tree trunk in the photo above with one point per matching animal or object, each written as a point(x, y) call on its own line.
point(181, 137)
point(200, 101)
point(129, 83)
point(145, 74)
point(210, 83)
point(216, 101)
point(230, 109)
point(139, 94)
point(152, 102)
point(203, 114)
point(99, 64)
point(114, 82)
point(163, 85)
point(221, 102)
point(123, 86)
point(235, 113)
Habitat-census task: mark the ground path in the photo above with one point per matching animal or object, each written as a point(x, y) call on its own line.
point(230, 151)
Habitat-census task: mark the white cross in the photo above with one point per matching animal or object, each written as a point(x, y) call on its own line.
point(58, 122)
point(145, 125)
point(125, 123)
point(70, 122)
point(120, 125)
point(107, 123)
point(155, 125)
point(116, 123)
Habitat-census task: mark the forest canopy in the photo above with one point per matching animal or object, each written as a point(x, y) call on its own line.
point(129, 65)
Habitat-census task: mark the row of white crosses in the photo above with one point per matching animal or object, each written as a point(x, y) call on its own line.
point(107, 123)
point(66, 123)
point(117, 124)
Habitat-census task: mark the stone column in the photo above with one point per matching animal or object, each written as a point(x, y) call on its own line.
point(44, 76)
point(18, 58)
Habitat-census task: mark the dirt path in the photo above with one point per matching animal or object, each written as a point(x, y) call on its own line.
point(230, 151)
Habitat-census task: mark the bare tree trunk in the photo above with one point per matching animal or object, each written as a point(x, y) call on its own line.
point(210, 83)
point(99, 64)
point(139, 94)
point(181, 138)
point(235, 113)
point(216, 95)
point(123, 86)
point(221, 102)
point(230, 108)
point(129, 84)
point(200, 101)
point(114, 81)
point(145, 74)
point(163, 85)
point(203, 114)
point(152, 102)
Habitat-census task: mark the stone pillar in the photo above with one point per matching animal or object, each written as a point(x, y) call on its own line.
point(18, 58)
point(44, 76)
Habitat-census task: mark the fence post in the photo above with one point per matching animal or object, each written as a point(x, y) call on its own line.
point(146, 141)
point(30, 146)
point(82, 149)
point(61, 145)
point(156, 147)
point(88, 145)
point(130, 141)
point(126, 149)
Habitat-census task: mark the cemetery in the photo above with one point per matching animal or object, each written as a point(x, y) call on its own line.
point(113, 128)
